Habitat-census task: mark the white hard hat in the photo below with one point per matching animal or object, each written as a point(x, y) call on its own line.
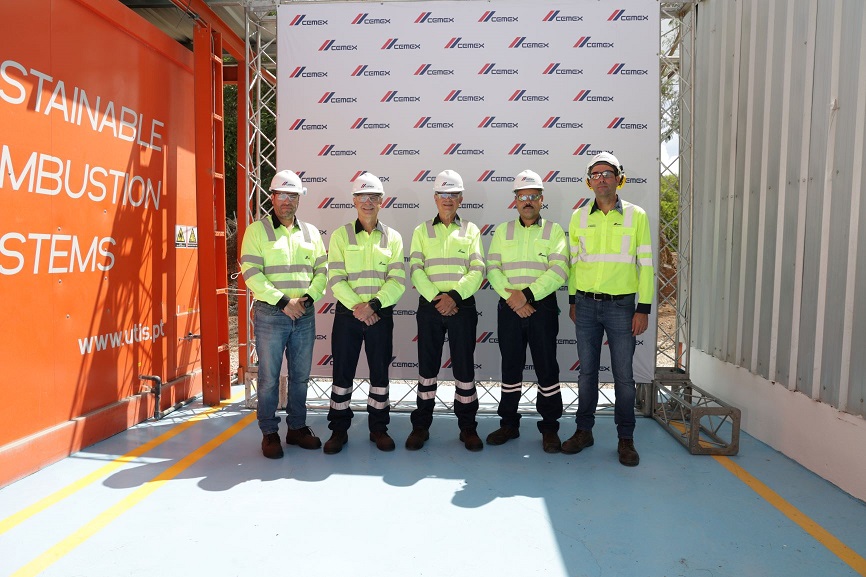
point(287, 181)
point(604, 158)
point(448, 181)
point(528, 179)
point(367, 183)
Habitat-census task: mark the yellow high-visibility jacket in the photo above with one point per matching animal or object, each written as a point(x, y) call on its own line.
point(446, 258)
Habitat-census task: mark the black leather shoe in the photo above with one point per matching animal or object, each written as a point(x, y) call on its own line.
point(627, 453)
point(579, 441)
point(304, 437)
point(501, 435)
point(335, 444)
point(383, 441)
point(471, 440)
point(550, 442)
point(272, 447)
point(416, 439)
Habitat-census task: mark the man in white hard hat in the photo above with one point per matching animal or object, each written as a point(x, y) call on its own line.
point(446, 264)
point(367, 276)
point(611, 261)
point(526, 263)
point(284, 264)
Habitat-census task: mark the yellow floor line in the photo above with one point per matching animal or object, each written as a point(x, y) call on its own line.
point(17, 518)
point(837, 547)
point(68, 544)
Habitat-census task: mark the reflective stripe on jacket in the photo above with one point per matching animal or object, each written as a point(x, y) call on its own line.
point(363, 266)
point(444, 258)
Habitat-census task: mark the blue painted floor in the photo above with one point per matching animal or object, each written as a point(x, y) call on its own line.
point(205, 502)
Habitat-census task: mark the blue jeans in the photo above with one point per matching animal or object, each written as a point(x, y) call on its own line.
point(593, 319)
point(278, 335)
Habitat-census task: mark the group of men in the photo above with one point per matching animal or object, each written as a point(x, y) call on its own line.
point(606, 261)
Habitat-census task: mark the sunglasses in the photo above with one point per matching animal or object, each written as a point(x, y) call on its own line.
point(374, 198)
point(525, 197)
point(605, 174)
point(284, 196)
point(448, 194)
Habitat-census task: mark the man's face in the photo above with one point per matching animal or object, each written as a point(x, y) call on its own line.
point(603, 185)
point(447, 203)
point(529, 202)
point(367, 205)
point(285, 204)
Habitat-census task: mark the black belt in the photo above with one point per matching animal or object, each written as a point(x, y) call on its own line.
point(602, 296)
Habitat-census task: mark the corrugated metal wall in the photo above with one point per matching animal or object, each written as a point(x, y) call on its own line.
point(778, 263)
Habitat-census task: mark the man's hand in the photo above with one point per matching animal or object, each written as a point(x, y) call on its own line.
point(571, 314)
point(295, 309)
point(365, 313)
point(525, 311)
point(445, 305)
point(516, 299)
point(639, 323)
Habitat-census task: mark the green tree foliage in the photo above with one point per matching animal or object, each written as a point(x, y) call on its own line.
point(669, 195)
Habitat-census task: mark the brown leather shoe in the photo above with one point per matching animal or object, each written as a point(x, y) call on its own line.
point(550, 442)
point(335, 444)
point(304, 437)
point(501, 435)
point(416, 439)
point(383, 441)
point(471, 440)
point(272, 447)
point(579, 441)
point(627, 453)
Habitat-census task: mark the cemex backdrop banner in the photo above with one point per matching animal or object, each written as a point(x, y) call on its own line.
point(405, 90)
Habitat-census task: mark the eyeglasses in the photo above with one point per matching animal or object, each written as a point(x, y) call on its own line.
point(525, 197)
point(605, 174)
point(448, 194)
point(284, 196)
point(374, 198)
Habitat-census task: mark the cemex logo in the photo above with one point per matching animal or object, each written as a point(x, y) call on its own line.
point(553, 122)
point(619, 68)
point(391, 202)
point(553, 68)
point(392, 44)
point(332, 45)
point(454, 148)
point(553, 16)
point(321, 337)
point(327, 360)
point(301, 20)
point(487, 229)
point(304, 178)
point(575, 366)
point(426, 70)
point(514, 205)
point(329, 203)
point(361, 70)
point(490, 122)
point(621, 16)
point(584, 149)
point(636, 180)
point(300, 72)
point(396, 363)
point(329, 150)
point(327, 309)
point(553, 176)
point(447, 365)
point(457, 42)
point(586, 42)
point(364, 18)
point(391, 96)
point(619, 122)
point(488, 176)
point(490, 16)
point(520, 42)
point(490, 68)
point(486, 337)
point(520, 149)
point(301, 124)
point(329, 98)
point(581, 202)
point(362, 123)
point(456, 96)
point(391, 149)
point(521, 96)
point(424, 176)
point(587, 96)
point(427, 18)
point(360, 172)
point(425, 122)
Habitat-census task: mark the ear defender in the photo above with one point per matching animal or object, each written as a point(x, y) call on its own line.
point(588, 185)
point(621, 182)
